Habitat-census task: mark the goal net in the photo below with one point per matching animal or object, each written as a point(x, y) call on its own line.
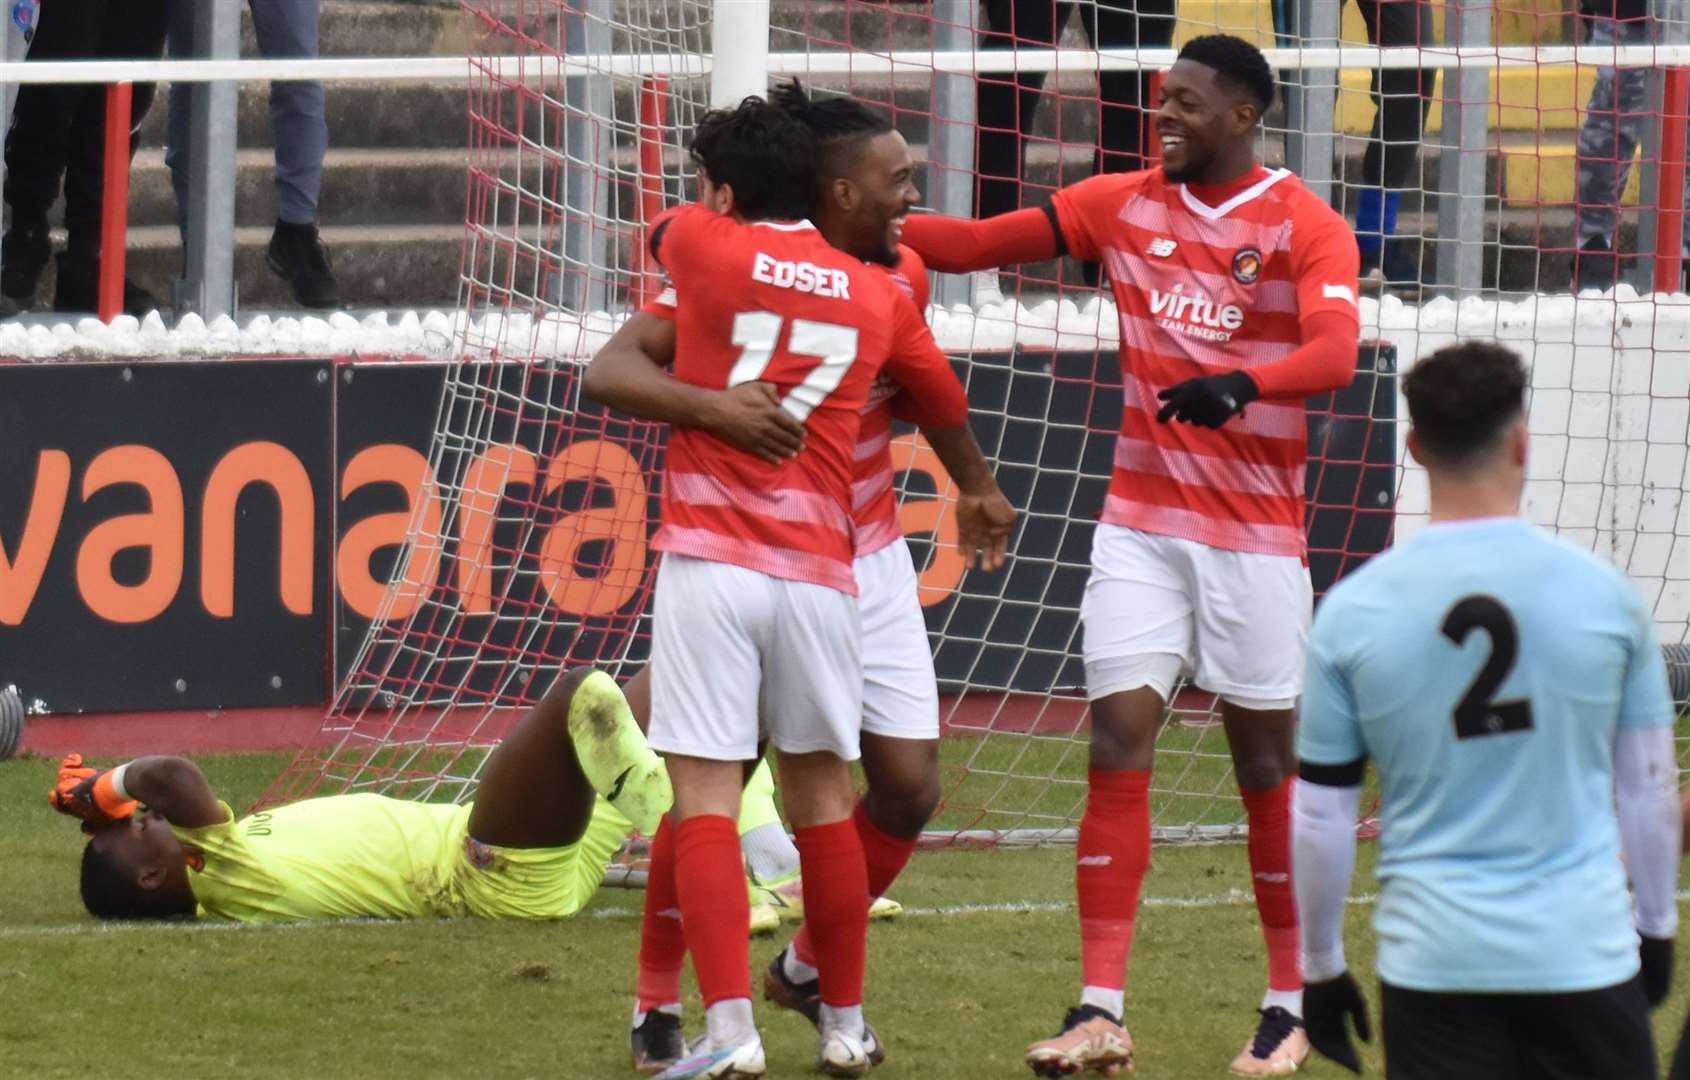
point(1496, 176)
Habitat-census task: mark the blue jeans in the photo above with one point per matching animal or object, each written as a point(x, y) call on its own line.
point(286, 29)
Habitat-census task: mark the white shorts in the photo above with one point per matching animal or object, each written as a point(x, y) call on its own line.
point(1159, 606)
point(900, 692)
point(737, 655)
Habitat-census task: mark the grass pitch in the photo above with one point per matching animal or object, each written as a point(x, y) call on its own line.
point(986, 960)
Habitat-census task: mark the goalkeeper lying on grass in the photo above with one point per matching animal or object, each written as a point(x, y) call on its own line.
point(558, 796)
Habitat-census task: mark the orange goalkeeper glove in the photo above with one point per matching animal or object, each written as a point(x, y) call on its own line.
point(92, 795)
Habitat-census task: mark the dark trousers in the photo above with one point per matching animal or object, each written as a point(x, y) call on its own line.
point(1007, 104)
point(58, 131)
point(1590, 1035)
point(1401, 97)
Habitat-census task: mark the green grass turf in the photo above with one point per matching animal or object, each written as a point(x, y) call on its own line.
point(955, 994)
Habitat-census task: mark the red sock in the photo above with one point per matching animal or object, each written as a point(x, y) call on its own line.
point(836, 907)
point(1109, 868)
point(663, 944)
point(885, 855)
point(1270, 870)
point(715, 910)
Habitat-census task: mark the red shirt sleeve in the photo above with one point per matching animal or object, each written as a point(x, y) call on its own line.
point(1326, 263)
point(915, 272)
point(1326, 360)
point(1082, 213)
point(663, 304)
point(959, 245)
point(932, 396)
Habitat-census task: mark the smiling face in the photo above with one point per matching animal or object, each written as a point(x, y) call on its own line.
point(868, 197)
point(1205, 124)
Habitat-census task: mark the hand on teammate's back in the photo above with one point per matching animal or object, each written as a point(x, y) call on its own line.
point(983, 523)
point(1328, 1009)
point(1210, 400)
point(748, 417)
point(1656, 956)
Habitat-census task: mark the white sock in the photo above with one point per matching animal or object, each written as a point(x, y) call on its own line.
point(845, 1018)
point(730, 1023)
point(797, 970)
point(769, 852)
point(1289, 1000)
point(1113, 1002)
point(672, 1008)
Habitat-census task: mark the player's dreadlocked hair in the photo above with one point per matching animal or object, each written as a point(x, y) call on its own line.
point(1235, 61)
point(1461, 398)
point(763, 152)
point(109, 890)
point(840, 124)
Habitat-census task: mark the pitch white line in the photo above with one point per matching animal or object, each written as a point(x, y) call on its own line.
point(1235, 898)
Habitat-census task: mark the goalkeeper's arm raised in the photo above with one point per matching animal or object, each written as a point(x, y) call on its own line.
point(173, 786)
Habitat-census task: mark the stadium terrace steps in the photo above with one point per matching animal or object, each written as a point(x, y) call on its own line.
point(394, 185)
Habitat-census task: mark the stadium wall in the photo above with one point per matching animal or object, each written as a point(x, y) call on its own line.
point(192, 547)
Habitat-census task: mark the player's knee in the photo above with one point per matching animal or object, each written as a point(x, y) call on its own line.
point(1262, 772)
point(904, 808)
point(1120, 744)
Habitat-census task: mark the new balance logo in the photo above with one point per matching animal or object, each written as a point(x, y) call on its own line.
point(1274, 879)
point(1161, 247)
point(1094, 860)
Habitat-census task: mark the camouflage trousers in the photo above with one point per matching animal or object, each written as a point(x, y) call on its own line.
point(1613, 126)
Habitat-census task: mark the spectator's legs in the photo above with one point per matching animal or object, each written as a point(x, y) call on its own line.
point(1124, 95)
point(128, 30)
point(38, 144)
point(177, 131)
point(1613, 124)
point(287, 29)
point(1402, 98)
point(1006, 108)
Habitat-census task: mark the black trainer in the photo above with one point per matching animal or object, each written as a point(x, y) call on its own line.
point(23, 255)
point(78, 289)
point(298, 255)
point(657, 1043)
point(1279, 1046)
point(1595, 266)
point(805, 998)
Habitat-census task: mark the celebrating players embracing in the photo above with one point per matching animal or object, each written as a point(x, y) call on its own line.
point(756, 628)
point(1512, 696)
point(863, 191)
point(1236, 291)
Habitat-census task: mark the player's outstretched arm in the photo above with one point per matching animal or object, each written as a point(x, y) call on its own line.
point(958, 245)
point(628, 375)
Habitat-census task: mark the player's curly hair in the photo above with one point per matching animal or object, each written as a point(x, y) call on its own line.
point(109, 890)
point(1461, 398)
point(765, 154)
point(835, 121)
point(1236, 61)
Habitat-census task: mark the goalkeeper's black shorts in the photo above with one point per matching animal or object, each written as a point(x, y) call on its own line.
point(1590, 1035)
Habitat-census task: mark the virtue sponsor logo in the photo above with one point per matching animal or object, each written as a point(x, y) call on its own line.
point(1196, 315)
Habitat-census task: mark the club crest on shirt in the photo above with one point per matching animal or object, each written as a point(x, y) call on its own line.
point(1246, 266)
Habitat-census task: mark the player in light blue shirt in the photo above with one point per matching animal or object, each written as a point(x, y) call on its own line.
point(1511, 693)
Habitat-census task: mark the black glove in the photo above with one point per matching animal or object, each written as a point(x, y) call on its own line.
point(1327, 1009)
point(1211, 400)
point(1656, 954)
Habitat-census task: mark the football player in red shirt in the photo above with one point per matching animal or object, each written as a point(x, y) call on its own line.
point(1236, 288)
point(864, 191)
point(762, 551)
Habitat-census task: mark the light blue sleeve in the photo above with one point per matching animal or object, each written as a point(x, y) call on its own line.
point(1646, 701)
point(1328, 728)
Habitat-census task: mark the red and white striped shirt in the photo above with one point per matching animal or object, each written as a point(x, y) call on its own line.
point(874, 502)
point(774, 302)
point(1204, 290)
